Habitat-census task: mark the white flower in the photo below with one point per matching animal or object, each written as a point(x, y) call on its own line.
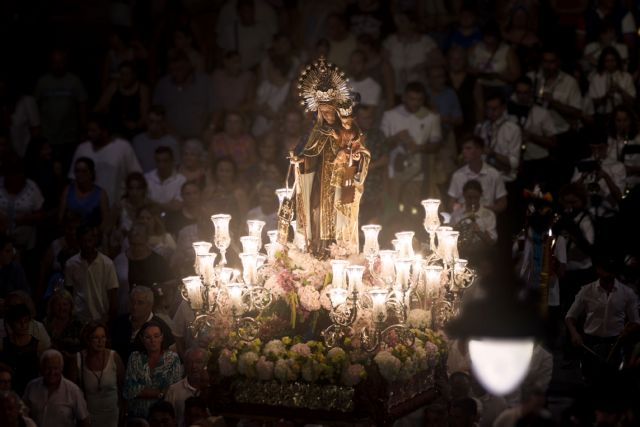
point(325, 301)
point(226, 364)
point(419, 319)
point(264, 369)
point(274, 287)
point(284, 371)
point(352, 374)
point(247, 364)
point(309, 298)
point(274, 348)
point(388, 365)
point(301, 350)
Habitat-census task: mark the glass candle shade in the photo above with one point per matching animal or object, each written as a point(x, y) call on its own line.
point(379, 302)
point(431, 218)
point(371, 246)
point(338, 269)
point(193, 285)
point(255, 227)
point(387, 265)
point(250, 244)
point(354, 273)
point(433, 275)
point(338, 296)
point(405, 244)
point(249, 267)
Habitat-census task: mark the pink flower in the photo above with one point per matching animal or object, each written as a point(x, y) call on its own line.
point(353, 374)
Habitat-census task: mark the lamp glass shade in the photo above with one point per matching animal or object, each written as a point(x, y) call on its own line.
point(500, 365)
point(431, 219)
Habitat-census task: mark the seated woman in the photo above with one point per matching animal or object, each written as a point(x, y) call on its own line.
point(83, 197)
point(476, 223)
point(150, 372)
point(20, 348)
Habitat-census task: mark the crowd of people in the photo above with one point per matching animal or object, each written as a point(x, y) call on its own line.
point(519, 115)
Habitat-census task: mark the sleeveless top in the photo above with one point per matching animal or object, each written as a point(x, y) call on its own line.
point(101, 391)
point(87, 207)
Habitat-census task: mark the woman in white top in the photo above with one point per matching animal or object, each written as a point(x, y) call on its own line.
point(610, 86)
point(100, 375)
point(494, 61)
point(623, 144)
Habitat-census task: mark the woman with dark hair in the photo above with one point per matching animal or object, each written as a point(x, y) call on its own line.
point(125, 101)
point(224, 193)
point(100, 374)
point(610, 86)
point(624, 143)
point(150, 372)
point(83, 197)
point(20, 348)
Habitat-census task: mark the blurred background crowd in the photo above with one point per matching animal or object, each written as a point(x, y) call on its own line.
point(125, 124)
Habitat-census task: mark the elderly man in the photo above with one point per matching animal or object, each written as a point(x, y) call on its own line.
point(53, 400)
point(126, 327)
point(195, 361)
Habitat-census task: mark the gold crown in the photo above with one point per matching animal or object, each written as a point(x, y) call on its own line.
point(322, 83)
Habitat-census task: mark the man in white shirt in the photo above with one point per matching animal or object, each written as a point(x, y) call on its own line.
point(145, 144)
point(502, 138)
point(54, 400)
point(164, 183)
point(343, 43)
point(415, 133)
point(611, 312)
point(494, 193)
point(114, 158)
point(195, 361)
point(370, 90)
point(92, 276)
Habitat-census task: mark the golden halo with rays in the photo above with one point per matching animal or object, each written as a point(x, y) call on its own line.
point(322, 83)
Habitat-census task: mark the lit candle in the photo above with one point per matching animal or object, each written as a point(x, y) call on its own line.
point(273, 236)
point(416, 268)
point(255, 229)
point(200, 248)
point(194, 291)
point(354, 273)
point(271, 251)
point(450, 246)
point(338, 296)
point(440, 232)
point(379, 300)
point(338, 267)
point(433, 274)
point(371, 246)
point(249, 272)
point(431, 219)
point(250, 244)
point(222, 238)
point(234, 290)
point(226, 275)
point(403, 271)
point(405, 246)
point(387, 267)
point(206, 263)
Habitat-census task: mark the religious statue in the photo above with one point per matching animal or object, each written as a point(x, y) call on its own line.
point(332, 165)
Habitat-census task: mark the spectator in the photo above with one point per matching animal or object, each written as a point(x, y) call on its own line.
point(271, 97)
point(530, 412)
point(92, 278)
point(414, 131)
point(20, 205)
point(162, 414)
point(494, 194)
point(292, 131)
point(36, 329)
point(47, 173)
point(467, 33)
point(379, 68)
point(146, 143)
point(494, 61)
point(444, 99)
point(267, 209)
point(100, 375)
point(120, 52)
point(610, 86)
point(12, 276)
point(234, 141)
point(183, 40)
point(186, 95)
point(20, 348)
point(502, 138)
point(477, 223)
point(281, 50)
point(606, 38)
point(409, 52)
point(373, 198)
point(113, 157)
point(23, 121)
point(233, 87)
point(10, 411)
point(62, 102)
point(175, 221)
point(83, 197)
point(490, 406)
point(150, 371)
point(6, 378)
point(538, 133)
point(195, 381)
point(159, 239)
point(624, 144)
point(520, 34)
point(196, 411)
point(370, 91)
point(342, 42)
point(125, 101)
point(270, 161)
point(192, 166)
point(463, 412)
point(466, 87)
point(369, 17)
point(184, 257)
point(63, 326)
point(138, 265)
point(54, 400)
point(164, 183)
point(127, 327)
point(224, 193)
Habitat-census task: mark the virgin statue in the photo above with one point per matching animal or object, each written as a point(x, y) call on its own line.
point(332, 165)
